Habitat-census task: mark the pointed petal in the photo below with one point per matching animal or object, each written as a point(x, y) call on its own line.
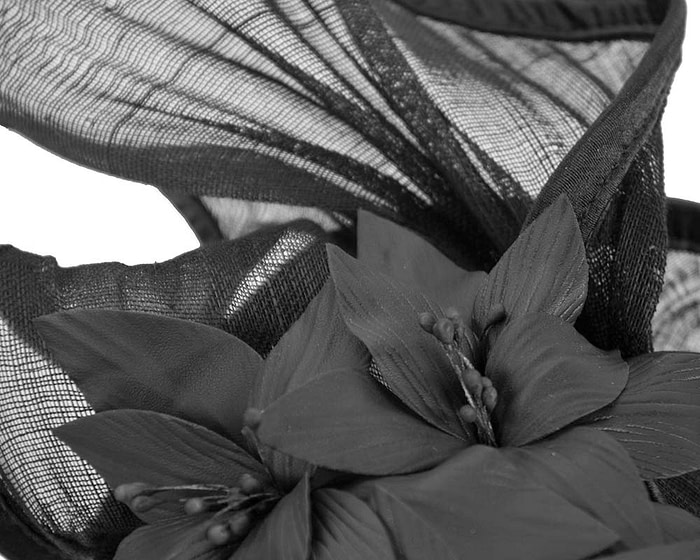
point(180, 539)
point(138, 446)
point(404, 255)
point(345, 528)
point(285, 532)
point(676, 551)
point(657, 417)
point(543, 271)
point(478, 505)
point(384, 315)
point(122, 359)
point(596, 475)
point(317, 343)
point(346, 421)
point(676, 524)
point(548, 376)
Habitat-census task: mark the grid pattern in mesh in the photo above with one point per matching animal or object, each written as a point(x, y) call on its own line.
point(450, 130)
point(627, 257)
point(254, 288)
point(311, 104)
point(676, 324)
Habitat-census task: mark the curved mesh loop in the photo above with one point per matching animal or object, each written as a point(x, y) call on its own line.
point(254, 288)
point(315, 108)
point(356, 104)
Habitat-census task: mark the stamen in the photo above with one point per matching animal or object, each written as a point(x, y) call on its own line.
point(240, 524)
point(126, 492)
point(426, 321)
point(219, 534)
point(444, 330)
point(142, 504)
point(479, 392)
point(468, 414)
point(249, 484)
point(489, 398)
point(471, 379)
point(194, 506)
point(252, 418)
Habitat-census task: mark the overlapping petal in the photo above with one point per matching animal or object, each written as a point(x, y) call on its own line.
point(657, 417)
point(127, 446)
point(543, 271)
point(345, 528)
point(404, 255)
point(346, 421)
point(285, 532)
point(178, 539)
point(548, 376)
point(676, 524)
point(133, 360)
point(479, 505)
point(384, 315)
point(593, 472)
point(676, 551)
point(315, 344)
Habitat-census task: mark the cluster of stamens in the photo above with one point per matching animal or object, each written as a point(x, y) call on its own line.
point(234, 510)
point(458, 340)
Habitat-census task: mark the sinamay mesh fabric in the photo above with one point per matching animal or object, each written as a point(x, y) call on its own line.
point(270, 122)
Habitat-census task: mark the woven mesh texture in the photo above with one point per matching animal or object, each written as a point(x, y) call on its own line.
point(676, 324)
point(228, 285)
point(264, 111)
point(432, 124)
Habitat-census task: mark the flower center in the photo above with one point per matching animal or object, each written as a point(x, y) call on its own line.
point(480, 394)
point(234, 510)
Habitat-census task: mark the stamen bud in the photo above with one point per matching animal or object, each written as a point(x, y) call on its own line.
point(252, 418)
point(454, 314)
point(125, 493)
point(473, 381)
point(444, 330)
point(427, 320)
point(468, 414)
point(219, 534)
point(249, 484)
point(194, 506)
point(240, 525)
point(141, 504)
point(489, 397)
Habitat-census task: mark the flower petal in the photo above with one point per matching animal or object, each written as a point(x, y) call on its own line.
point(596, 475)
point(317, 343)
point(122, 359)
point(404, 255)
point(478, 505)
point(543, 271)
point(548, 376)
point(676, 523)
point(285, 532)
point(180, 539)
point(346, 421)
point(678, 551)
point(345, 528)
point(657, 417)
point(384, 315)
point(138, 446)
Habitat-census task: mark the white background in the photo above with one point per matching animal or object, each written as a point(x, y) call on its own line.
point(53, 207)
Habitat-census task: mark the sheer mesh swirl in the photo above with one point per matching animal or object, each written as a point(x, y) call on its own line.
point(227, 285)
point(459, 119)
